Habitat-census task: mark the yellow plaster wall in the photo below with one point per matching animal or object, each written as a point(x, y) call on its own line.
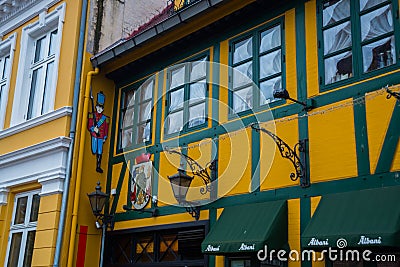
point(332, 143)
point(234, 165)
point(379, 112)
point(169, 163)
point(46, 230)
point(311, 48)
point(201, 153)
point(275, 170)
point(294, 228)
point(35, 135)
point(160, 220)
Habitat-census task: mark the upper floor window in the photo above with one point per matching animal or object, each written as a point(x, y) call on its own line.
point(136, 113)
point(186, 96)
point(41, 72)
point(38, 67)
point(258, 67)
point(358, 37)
point(7, 48)
point(23, 229)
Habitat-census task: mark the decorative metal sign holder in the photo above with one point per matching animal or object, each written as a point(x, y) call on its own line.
point(298, 160)
point(193, 208)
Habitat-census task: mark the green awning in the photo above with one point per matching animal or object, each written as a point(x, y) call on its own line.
point(248, 228)
point(356, 219)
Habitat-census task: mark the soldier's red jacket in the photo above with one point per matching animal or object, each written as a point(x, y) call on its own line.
point(102, 122)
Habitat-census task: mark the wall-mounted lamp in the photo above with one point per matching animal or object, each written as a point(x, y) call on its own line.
point(153, 211)
point(97, 200)
point(180, 182)
point(298, 160)
point(284, 94)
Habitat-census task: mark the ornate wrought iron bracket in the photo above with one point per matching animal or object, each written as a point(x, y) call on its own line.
point(298, 160)
point(193, 210)
point(153, 211)
point(198, 170)
point(391, 93)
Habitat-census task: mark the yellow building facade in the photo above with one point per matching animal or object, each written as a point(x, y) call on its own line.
point(41, 51)
point(284, 118)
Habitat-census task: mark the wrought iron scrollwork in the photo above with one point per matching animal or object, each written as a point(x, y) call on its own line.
point(288, 153)
point(198, 170)
point(194, 211)
point(391, 93)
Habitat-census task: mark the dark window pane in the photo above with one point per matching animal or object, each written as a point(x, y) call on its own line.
point(242, 50)
point(35, 208)
point(34, 105)
point(337, 38)
point(39, 50)
point(379, 54)
point(20, 210)
point(29, 248)
point(45, 100)
point(145, 249)
point(335, 10)
point(15, 247)
point(376, 23)
point(168, 247)
point(52, 44)
point(5, 67)
point(338, 68)
point(128, 99)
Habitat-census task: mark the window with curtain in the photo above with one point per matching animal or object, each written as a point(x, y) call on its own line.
point(257, 63)
point(23, 229)
point(136, 113)
point(186, 96)
point(361, 31)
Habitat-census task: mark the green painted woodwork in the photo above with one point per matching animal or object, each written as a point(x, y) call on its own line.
point(391, 141)
point(362, 149)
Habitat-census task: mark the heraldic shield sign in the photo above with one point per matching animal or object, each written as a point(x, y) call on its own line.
point(141, 184)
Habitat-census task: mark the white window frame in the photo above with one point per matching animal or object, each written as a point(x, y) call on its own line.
point(24, 228)
point(47, 23)
point(7, 48)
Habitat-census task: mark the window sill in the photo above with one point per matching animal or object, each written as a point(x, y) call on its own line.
point(26, 125)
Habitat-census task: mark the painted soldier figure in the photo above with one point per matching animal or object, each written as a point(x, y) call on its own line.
point(98, 128)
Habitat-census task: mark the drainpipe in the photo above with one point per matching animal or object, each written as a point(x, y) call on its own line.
point(80, 166)
point(78, 73)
